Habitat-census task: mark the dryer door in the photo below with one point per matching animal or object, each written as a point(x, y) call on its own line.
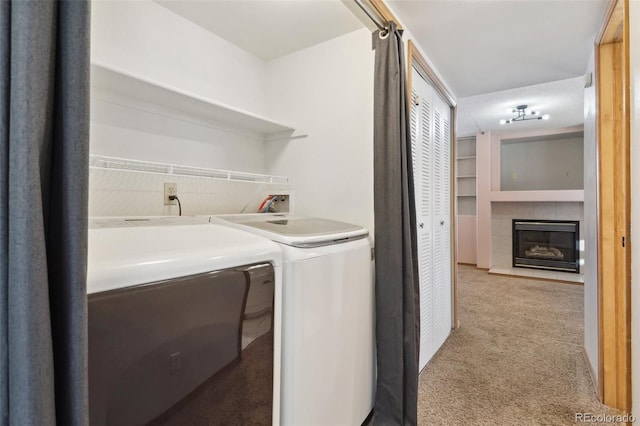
point(152, 345)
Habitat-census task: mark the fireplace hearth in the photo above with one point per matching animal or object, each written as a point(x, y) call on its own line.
point(546, 244)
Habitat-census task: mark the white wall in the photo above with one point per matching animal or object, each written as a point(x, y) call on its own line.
point(589, 231)
point(328, 88)
point(483, 206)
point(634, 49)
point(542, 163)
point(118, 130)
point(144, 38)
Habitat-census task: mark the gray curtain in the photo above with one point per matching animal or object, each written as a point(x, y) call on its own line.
point(397, 301)
point(44, 143)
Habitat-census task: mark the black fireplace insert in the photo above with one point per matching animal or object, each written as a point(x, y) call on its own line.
point(546, 244)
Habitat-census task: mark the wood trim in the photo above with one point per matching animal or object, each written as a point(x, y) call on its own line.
point(610, 30)
point(614, 261)
point(381, 8)
point(415, 57)
point(599, 382)
point(453, 208)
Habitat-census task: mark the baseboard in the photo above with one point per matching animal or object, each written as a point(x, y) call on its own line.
point(592, 374)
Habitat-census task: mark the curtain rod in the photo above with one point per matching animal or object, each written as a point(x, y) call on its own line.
point(372, 15)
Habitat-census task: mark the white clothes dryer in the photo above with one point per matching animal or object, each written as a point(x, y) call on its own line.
point(181, 313)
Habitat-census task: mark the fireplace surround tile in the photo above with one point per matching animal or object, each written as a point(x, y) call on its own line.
point(569, 210)
point(546, 211)
point(501, 212)
point(502, 244)
point(541, 274)
point(501, 227)
point(522, 210)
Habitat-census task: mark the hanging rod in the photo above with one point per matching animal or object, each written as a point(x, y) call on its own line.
point(383, 26)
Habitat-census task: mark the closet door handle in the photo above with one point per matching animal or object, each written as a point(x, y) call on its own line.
point(442, 223)
point(421, 225)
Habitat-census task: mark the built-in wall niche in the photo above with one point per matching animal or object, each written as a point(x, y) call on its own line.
point(543, 163)
point(466, 176)
point(466, 199)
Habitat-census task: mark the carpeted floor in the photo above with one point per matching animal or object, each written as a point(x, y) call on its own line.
point(515, 360)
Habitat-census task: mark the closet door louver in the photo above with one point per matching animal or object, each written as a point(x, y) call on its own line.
point(441, 224)
point(424, 200)
point(430, 154)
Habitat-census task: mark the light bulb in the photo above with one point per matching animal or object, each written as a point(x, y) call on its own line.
point(545, 117)
point(503, 121)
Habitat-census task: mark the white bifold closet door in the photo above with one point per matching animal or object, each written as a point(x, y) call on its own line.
point(431, 152)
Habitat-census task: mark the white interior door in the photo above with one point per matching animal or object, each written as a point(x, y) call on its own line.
point(442, 222)
point(430, 148)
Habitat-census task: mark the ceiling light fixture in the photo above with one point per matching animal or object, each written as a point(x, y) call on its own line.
point(523, 115)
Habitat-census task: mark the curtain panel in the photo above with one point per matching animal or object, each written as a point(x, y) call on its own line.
point(396, 270)
point(44, 147)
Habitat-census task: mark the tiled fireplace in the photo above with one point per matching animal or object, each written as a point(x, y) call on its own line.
point(502, 218)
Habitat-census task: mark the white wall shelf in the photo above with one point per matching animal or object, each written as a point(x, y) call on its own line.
point(159, 98)
point(123, 164)
point(569, 195)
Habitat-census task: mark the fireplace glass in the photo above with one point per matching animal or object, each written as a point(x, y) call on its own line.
point(546, 244)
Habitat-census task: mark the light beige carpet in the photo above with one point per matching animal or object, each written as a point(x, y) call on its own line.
point(515, 360)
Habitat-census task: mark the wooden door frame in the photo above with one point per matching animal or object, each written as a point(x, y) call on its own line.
point(614, 248)
point(415, 59)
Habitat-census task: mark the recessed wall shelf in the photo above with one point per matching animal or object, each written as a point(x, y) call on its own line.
point(466, 176)
point(466, 183)
point(122, 164)
point(159, 98)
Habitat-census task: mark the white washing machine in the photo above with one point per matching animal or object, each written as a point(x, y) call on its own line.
point(182, 323)
point(328, 364)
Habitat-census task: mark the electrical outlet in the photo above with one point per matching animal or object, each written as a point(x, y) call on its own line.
point(170, 189)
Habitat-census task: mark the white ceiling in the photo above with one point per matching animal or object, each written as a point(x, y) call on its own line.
point(269, 28)
point(562, 100)
point(484, 46)
point(497, 54)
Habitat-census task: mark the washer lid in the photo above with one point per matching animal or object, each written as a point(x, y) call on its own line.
point(134, 255)
point(297, 230)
